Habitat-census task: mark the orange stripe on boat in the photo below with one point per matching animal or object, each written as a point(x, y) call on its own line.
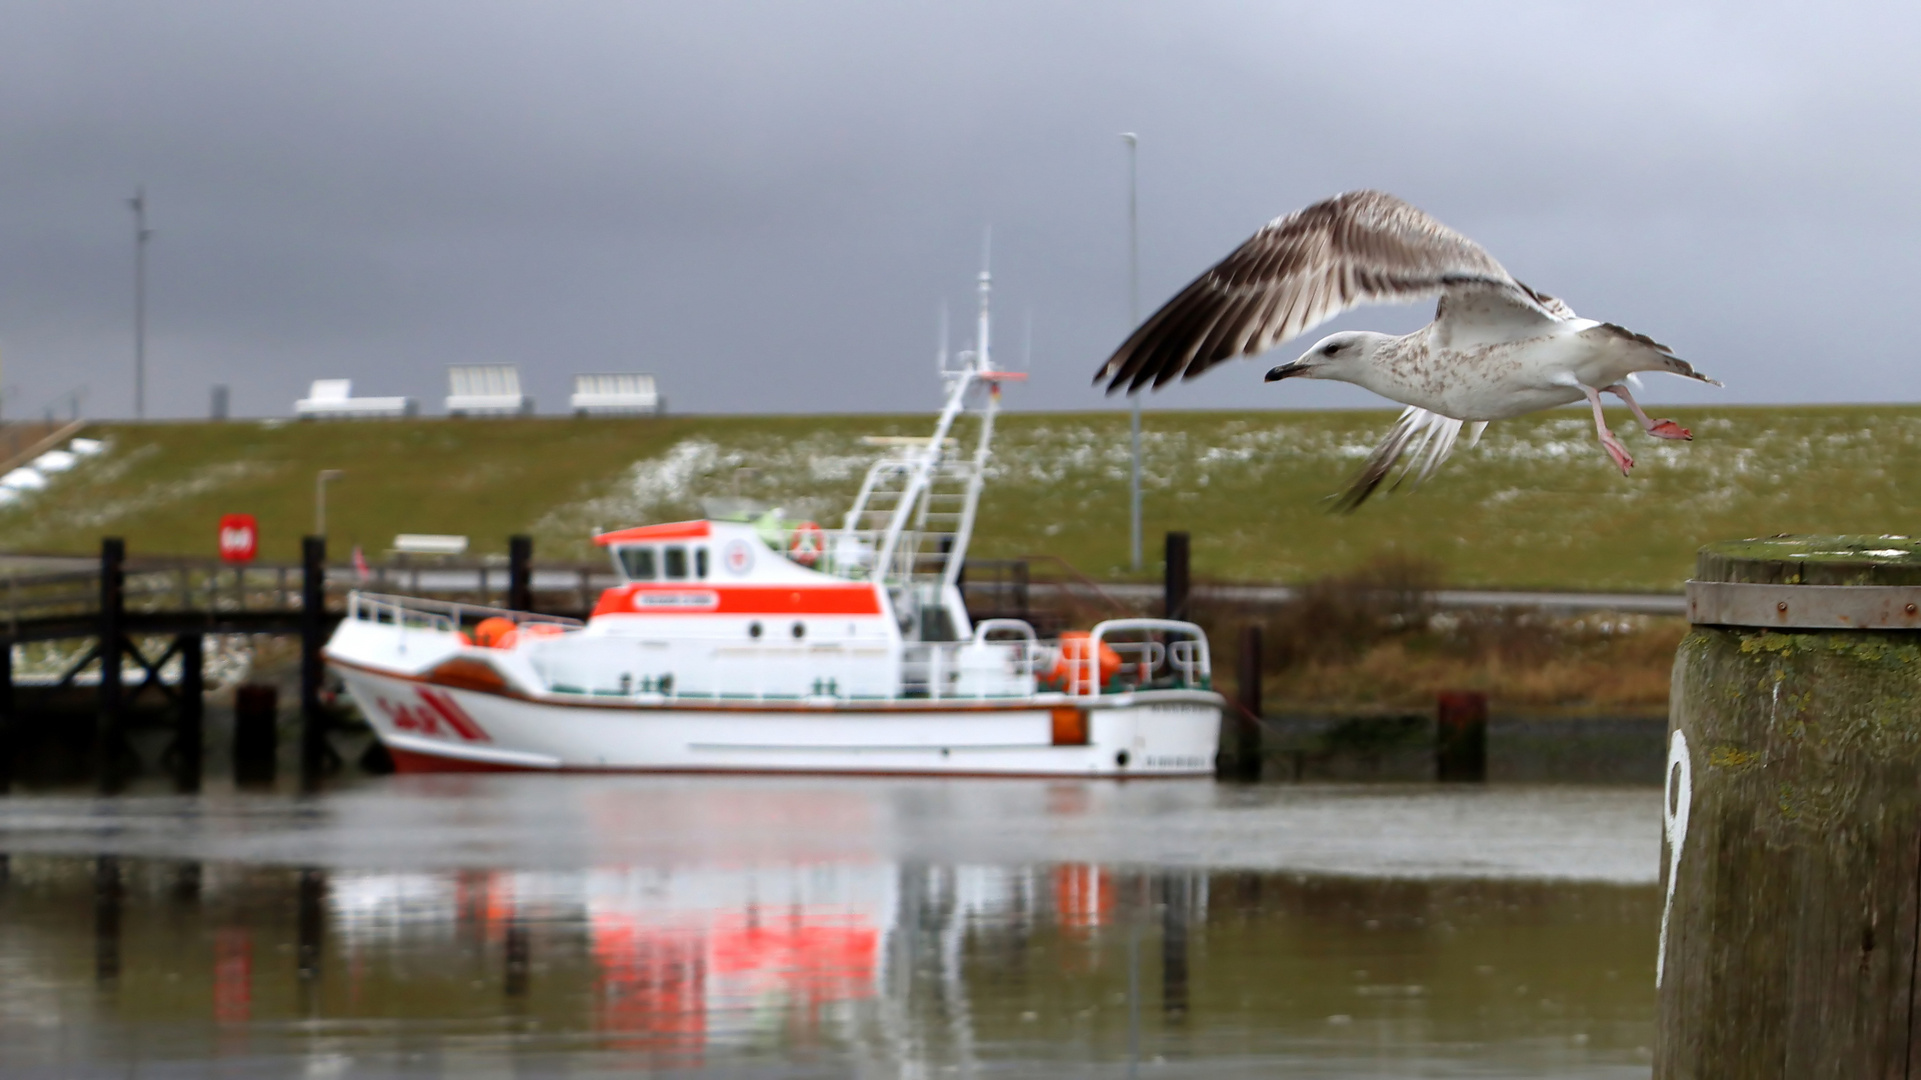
point(672, 530)
point(657, 599)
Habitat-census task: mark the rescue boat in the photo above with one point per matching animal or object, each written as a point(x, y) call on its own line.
point(760, 645)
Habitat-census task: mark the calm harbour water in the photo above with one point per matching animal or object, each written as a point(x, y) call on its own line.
point(562, 926)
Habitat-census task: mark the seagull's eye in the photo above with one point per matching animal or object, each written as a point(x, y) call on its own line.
point(1331, 349)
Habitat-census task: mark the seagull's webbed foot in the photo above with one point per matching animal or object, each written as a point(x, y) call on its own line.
point(1618, 452)
point(1608, 442)
point(1660, 429)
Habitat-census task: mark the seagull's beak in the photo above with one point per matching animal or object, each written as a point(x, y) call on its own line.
point(1287, 371)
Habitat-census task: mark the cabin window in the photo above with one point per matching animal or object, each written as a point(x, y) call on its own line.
point(674, 563)
point(638, 562)
point(700, 563)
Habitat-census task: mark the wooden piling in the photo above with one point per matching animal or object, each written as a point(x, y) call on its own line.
point(1792, 814)
point(520, 573)
point(1175, 582)
point(310, 902)
point(109, 894)
point(7, 721)
point(313, 625)
point(189, 727)
point(517, 956)
point(256, 736)
point(1460, 737)
point(110, 727)
point(1243, 762)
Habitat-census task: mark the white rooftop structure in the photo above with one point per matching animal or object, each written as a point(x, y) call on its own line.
point(334, 398)
point(615, 392)
point(486, 388)
point(430, 544)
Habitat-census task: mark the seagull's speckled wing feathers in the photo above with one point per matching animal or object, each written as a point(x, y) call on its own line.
point(1424, 438)
point(1300, 271)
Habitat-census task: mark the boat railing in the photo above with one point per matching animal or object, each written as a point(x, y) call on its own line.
point(446, 616)
point(1146, 647)
point(979, 668)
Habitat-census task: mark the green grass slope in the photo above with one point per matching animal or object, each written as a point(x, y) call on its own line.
point(1535, 505)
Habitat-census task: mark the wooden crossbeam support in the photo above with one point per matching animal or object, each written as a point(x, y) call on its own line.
point(73, 672)
point(152, 670)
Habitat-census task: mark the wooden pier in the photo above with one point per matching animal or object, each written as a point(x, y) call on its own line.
point(122, 603)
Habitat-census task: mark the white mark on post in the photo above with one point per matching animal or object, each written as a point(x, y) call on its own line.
point(1674, 823)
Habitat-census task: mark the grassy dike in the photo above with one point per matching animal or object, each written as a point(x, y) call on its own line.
point(1535, 505)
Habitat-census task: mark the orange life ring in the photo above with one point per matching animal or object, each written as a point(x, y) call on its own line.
point(807, 544)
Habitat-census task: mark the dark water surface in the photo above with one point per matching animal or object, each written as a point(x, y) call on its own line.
point(547, 926)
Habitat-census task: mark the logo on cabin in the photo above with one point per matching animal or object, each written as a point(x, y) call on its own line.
point(437, 715)
point(738, 557)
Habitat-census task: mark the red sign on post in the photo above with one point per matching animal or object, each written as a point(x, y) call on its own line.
point(239, 538)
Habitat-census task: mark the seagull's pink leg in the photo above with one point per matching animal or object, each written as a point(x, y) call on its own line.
point(1608, 442)
point(1660, 429)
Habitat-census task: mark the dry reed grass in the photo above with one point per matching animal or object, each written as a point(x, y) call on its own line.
point(1373, 639)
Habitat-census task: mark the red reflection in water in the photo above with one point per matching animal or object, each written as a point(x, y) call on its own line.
point(651, 991)
point(1083, 897)
point(232, 976)
point(657, 984)
point(814, 956)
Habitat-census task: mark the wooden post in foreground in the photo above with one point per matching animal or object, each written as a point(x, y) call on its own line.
point(1792, 814)
point(1460, 737)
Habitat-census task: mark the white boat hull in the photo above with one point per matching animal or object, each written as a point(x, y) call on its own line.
point(429, 727)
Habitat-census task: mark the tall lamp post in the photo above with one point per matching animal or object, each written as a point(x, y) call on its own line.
point(320, 482)
point(1133, 320)
point(141, 234)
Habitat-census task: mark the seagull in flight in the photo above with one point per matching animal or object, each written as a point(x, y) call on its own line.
point(1495, 349)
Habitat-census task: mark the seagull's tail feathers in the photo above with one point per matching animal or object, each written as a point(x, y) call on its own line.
point(1663, 357)
point(1423, 438)
point(1674, 365)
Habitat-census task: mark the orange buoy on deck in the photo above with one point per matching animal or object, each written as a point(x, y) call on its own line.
point(490, 631)
point(1071, 668)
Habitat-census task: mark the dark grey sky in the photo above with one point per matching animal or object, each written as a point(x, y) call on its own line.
point(765, 203)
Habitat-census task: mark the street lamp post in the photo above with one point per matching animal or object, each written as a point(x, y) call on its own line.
point(141, 234)
point(320, 498)
point(1133, 320)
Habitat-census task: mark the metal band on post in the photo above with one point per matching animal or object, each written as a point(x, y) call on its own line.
point(1805, 607)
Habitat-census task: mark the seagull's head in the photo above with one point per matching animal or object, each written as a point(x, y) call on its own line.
point(1340, 356)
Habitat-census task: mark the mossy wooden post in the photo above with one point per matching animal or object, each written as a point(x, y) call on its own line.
point(1792, 815)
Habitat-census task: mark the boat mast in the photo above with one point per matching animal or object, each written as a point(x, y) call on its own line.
point(927, 463)
point(964, 531)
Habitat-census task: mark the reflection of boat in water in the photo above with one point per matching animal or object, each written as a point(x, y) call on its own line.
point(764, 645)
point(870, 955)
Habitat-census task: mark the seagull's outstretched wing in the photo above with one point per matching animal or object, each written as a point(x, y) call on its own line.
point(1302, 270)
point(1426, 438)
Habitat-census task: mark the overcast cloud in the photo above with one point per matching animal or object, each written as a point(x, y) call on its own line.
point(765, 203)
